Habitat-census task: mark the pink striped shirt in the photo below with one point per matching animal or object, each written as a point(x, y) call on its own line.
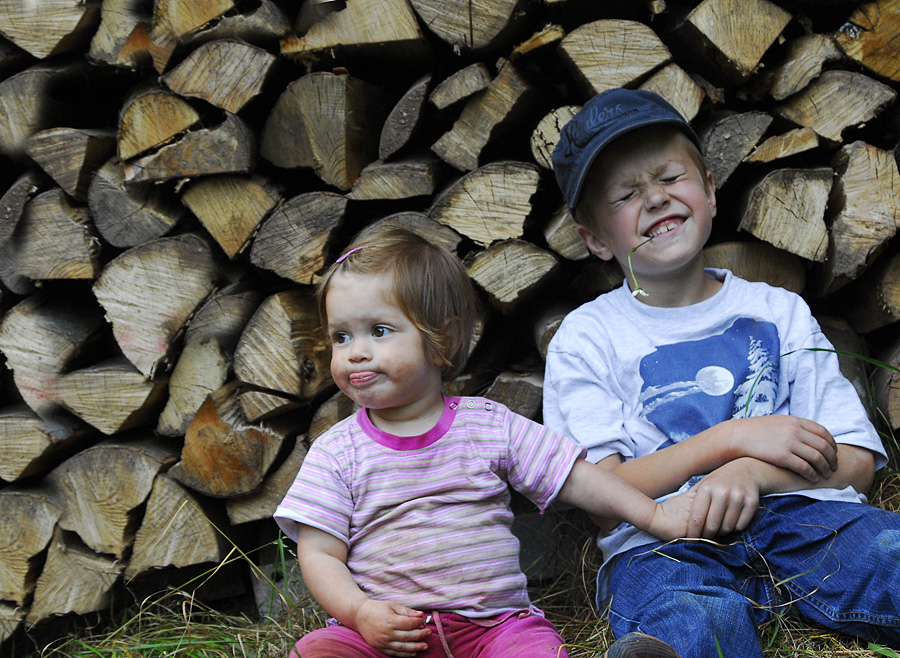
point(427, 519)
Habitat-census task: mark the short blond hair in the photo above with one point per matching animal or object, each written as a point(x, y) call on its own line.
point(431, 287)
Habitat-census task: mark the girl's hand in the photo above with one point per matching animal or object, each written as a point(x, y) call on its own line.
point(393, 629)
point(671, 519)
point(797, 444)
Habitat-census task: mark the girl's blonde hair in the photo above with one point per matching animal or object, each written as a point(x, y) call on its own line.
point(431, 287)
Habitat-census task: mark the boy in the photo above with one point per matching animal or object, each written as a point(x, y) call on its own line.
point(687, 376)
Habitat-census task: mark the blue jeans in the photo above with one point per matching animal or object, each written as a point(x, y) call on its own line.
point(834, 564)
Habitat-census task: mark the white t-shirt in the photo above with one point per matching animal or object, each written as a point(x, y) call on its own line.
point(627, 378)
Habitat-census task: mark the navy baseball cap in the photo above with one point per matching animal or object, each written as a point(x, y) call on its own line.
point(607, 115)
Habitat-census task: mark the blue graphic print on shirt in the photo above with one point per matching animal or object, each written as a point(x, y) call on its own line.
point(690, 386)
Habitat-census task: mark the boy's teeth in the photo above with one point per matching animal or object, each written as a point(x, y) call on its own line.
point(665, 228)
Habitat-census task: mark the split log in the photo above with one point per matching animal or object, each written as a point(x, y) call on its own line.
point(226, 73)
point(28, 105)
point(227, 148)
point(294, 240)
point(175, 21)
point(32, 446)
point(119, 20)
point(332, 411)
point(418, 223)
point(546, 134)
point(262, 23)
point(521, 392)
point(886, 385)
point(870, 37)
point(835, 101)
point(848, 344)
point(730, 37)
point(223, 455)
point(204, 364)
point(399, 179)
point(13, 201)
point(202, 368)
point(547, 37)
point(129, 215)
point(75, 579)
point(152, 118)
point(231, 208)
point(11, 618)
point(29, 517)
point(787, 209)
point(465, 24)
point(50, 27)
point(224, 315)
point(313, 12)
point(674, 84)
point(804, 60)
point(329, 123)
point(283, 356)
point(101, 490)
point(511, 270)
point(547, 323)
point(866, 212)
point(790, 143)
point(112, 395)
point(11, 279)
point(71, 155)
point(561, 234)
point(612, 53)
point(279, 589)
point(262, 503)
point(150, 291)
point(462, 84)
point(359, 26)
point(508, 99)
point(40, 336)
point(53, 239)
point(759, 261)
point(873, 301)
point(596, 277)
point(729, 139)
point(176, 531)
point(403, 120)
point(490, 203)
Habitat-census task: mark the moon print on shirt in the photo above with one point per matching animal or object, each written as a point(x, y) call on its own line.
point(689, 387)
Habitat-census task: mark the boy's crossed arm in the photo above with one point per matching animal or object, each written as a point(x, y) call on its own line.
point(744, 459)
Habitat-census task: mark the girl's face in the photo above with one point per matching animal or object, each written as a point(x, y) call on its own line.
point(378, 355)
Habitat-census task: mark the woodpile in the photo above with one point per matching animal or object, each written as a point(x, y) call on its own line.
point(175, 176)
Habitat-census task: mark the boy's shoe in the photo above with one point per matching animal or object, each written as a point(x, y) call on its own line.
point(639, 645)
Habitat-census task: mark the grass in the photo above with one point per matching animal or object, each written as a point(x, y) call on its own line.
point(174, 625)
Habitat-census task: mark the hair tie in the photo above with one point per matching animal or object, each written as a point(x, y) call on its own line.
point(350, 252)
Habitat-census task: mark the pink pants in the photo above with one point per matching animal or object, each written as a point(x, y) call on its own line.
point(452, 636)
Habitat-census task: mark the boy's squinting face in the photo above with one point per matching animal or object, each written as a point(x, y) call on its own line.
point(646, 187)
point(378, 355)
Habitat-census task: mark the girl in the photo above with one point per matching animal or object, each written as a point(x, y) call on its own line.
point(401, 512)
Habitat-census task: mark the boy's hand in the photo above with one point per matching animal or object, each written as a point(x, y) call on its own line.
point(672, 518)
point(797, 444)
point(725, 500)
point(393, 629)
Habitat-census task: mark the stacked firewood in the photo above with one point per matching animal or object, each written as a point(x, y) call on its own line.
point(175, 177)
